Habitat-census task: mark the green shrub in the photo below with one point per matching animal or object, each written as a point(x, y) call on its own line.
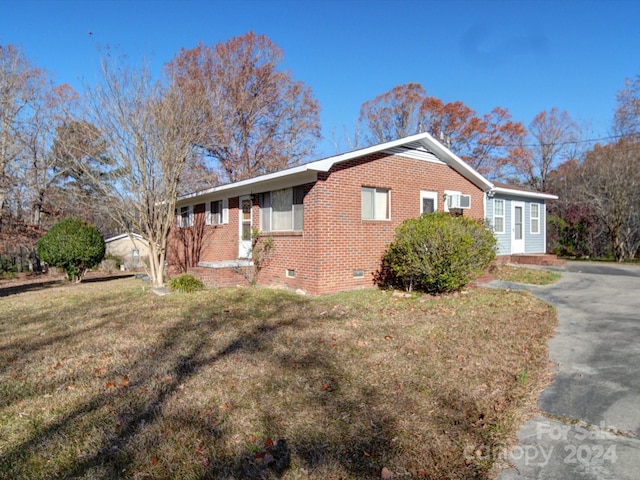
point(7, 265)
point(73, 245)
point(8, 275)
point(437, 253)
point(186, 283)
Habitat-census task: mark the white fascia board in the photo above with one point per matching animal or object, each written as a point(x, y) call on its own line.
point(123, 235)
point(291, 177)
point(521, 193)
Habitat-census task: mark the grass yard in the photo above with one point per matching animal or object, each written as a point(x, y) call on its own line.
point(104, 380)
point(532, 276)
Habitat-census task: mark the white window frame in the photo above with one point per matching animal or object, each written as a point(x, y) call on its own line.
point(297, 210)
point(180, 218)
point(376, 191)
point(504, 206)
point(536, 219)
point(431, 196)
point(224, 212)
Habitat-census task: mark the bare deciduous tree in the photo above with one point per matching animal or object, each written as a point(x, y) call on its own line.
point(393, 114)
point(611, 186)
point(186, 249)
point(40, 166)
point(555, 138)
point(20, 83)
point(627, 115)
point(488, 143)
point(258, 119)
point(149, 130)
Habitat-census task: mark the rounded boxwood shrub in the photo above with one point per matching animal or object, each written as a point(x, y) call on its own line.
point(185, 283)
point(437, 253)
point(73, 245)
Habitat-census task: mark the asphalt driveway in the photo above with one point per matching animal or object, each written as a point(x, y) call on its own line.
point(591, 423)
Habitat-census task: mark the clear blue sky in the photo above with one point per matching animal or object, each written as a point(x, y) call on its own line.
point(526, 56)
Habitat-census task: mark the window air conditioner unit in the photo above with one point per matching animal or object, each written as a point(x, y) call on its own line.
point(459, 201)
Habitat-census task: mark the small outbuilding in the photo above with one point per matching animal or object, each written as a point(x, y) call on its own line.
point(130, 249)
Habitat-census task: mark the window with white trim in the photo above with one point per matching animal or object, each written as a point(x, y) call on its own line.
point(217, 212)
point(498, 215)
point(282, 210)
point(428, 201)
point(375, 203)
point(535, 218)
point(184, 216)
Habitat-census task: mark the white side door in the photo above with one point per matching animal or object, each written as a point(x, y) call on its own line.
point(245, 226)
point(517, 227)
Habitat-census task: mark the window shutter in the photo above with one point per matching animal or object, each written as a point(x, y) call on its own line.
point(265, 212)
point(207, 214)
point(225, 210)
point(298, 208)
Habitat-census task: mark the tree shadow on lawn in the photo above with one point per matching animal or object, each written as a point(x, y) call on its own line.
point(29, 287)
point(5, 291)
point(142, 422)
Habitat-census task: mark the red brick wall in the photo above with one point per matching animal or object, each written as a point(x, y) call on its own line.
point(221, 241)
point(336, 241)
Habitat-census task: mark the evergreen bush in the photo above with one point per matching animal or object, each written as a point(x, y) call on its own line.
point(73, 245)
point(437, 253)
point(185, 283)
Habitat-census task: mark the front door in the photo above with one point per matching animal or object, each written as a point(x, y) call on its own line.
point(245, 227)
point(517, 227)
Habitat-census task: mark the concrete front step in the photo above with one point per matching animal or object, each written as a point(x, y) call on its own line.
point(223, 274)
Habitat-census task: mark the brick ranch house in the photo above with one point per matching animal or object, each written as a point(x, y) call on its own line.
point(332, 219)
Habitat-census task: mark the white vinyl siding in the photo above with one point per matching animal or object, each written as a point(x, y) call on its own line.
point(534, 242)
point(375, 204)
point(498, 215)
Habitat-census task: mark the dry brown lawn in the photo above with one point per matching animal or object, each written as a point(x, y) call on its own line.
point(105, 380)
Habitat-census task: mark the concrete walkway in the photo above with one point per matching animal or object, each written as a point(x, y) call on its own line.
point(591, 423)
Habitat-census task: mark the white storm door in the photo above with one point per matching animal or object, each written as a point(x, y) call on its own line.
point(245, 227)
point(517, 227)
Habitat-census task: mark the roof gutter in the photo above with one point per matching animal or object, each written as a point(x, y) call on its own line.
point(522, 193)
